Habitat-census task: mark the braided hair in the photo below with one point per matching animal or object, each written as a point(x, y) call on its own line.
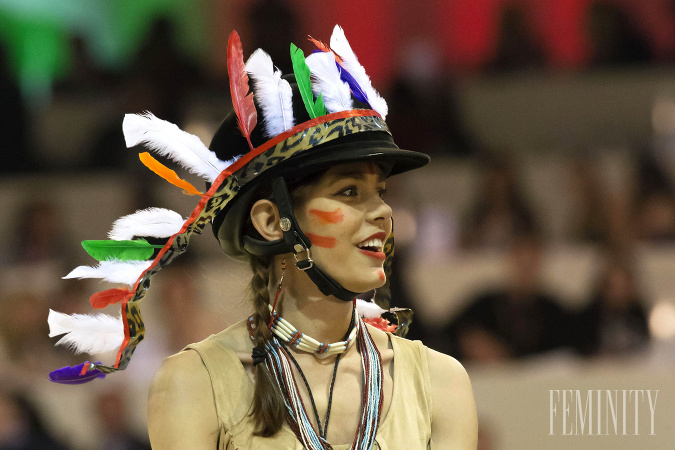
point(268, 403)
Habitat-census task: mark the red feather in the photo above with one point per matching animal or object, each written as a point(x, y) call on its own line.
point(102, 299)
point(242, 101)
point(324, 48)
point(381, 323)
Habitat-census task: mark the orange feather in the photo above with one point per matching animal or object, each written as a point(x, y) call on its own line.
point(324, 48)
point(242, 101)
point(168, 174)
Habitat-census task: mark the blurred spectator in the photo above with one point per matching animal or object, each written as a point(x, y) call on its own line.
point(518, 48)
point(514, 321)
point(160, 79)
point(182, 312)
point(273, 24)
point(590, 218)
point(37, 236)
point(501, 212)
point(84, 76)
point(654, 202)
point(21, 427)
point(15, 151)
point(615, 321)
point(615, 38)
point(424, 112)
point(113, 417)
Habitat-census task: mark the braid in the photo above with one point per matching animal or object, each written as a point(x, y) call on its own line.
point(268, 403)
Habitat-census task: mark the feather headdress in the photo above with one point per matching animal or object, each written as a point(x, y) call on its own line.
point(340, 45)
point(273, 93)
point(86, 333)
point(327, 83)
point(170, 141)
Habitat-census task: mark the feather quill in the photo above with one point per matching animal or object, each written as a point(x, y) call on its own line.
point(112, 271)
point(368, 310)
point(273, 93)
point(85, 333)
point(168, 174)
point(303, 79)
point(327, 83)
point(242, 101)
point(150, 222)
point(138, 250)
point(340, 45)
point(171, 142)
point(109, 297)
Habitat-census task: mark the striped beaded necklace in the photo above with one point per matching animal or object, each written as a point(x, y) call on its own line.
point(279, 363)
point(291, 336)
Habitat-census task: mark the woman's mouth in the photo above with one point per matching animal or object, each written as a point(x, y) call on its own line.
point(373, 247)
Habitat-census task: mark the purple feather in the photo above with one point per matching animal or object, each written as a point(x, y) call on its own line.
point(71, 374)
point(357, 92)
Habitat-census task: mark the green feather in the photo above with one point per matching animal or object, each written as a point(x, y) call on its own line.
point(304, 81)
point(138, 250)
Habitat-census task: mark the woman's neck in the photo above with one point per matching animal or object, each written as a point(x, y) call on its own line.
point(326, 319)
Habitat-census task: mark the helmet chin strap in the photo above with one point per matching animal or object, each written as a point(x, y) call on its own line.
point(294, 240)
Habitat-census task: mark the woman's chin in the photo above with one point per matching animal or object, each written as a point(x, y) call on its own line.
point(365, 285)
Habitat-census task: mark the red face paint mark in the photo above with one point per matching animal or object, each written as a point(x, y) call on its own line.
point(321, 241)
point(382, 275)
point(372, 168)
point(328, 216)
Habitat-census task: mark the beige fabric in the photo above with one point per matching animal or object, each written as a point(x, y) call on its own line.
point(406, 425)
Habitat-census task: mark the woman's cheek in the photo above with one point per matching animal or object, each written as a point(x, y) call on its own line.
point(324, 222)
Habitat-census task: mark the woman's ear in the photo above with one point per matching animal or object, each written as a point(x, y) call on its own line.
point(265, 219)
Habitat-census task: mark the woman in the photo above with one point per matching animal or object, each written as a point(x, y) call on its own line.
point(304, 206)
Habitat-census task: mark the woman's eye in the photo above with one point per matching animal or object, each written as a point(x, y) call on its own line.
point(349, 191)
point(382, 192)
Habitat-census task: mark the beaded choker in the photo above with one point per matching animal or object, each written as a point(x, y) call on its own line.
point(294, 338)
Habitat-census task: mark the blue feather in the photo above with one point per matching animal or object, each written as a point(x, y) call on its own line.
point(357, 92)
point(71, 374)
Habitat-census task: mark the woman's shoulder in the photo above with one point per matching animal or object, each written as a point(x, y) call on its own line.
point(234, 338)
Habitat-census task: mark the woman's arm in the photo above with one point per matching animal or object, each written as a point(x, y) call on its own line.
point(181, 408)
point(453, 423)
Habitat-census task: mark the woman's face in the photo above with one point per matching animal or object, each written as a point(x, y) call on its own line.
point(347, 221)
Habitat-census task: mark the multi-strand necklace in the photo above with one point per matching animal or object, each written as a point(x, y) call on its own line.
point(279, 360)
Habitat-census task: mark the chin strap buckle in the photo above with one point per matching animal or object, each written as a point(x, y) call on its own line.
point(302, 264)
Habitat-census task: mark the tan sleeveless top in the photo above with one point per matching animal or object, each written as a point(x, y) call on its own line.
point(407, 424)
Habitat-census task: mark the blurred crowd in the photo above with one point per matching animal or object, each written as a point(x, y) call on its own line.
point(516, 320)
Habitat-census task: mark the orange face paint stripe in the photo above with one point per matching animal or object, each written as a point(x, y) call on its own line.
point(372, 169)
point(321, 241)
point(328, 216)
point(382, 275)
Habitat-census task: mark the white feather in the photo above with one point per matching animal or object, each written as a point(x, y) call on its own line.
point(273, 94)
point(170, 141)
point(126, 272)
point(340, 45)
point(335, 92)
point(368, 310)
point(153, 222)
point(85, 333)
